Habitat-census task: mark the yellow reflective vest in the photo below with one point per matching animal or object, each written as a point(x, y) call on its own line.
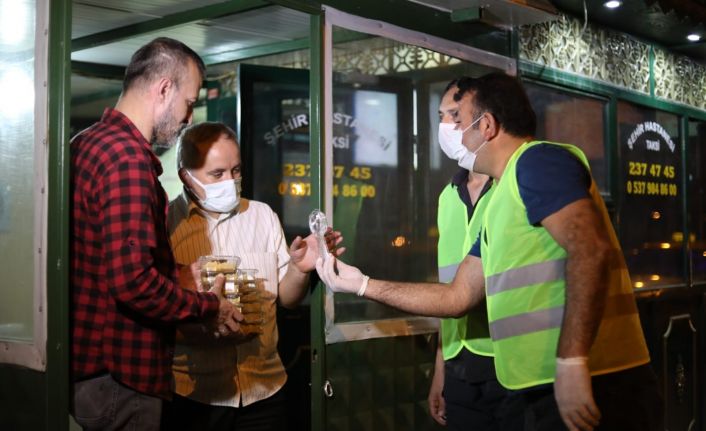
point(456, 235)
point(525, 280)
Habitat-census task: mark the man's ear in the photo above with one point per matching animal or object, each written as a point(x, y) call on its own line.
point(492, 127)
point(164, 87)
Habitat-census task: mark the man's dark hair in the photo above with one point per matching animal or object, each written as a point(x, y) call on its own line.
point(454, 83)
point(504, 98)
point(161, 57)
point(194, 142)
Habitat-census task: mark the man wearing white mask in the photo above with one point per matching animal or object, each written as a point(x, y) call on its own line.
point(464, 393)
point(235, 382)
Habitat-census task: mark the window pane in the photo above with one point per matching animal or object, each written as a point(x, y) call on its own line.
point(275, 141)
point(697, 200)
point(388, 168)
point(17, 169)
point(650, 210)
point(572, 119)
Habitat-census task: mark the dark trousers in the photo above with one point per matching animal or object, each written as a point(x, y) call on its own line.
point(101, 403)
point(481, 405)
point(628, 400)
point(187, 415)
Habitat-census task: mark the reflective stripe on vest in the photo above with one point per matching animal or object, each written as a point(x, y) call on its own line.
point(447, 273)
point(514, 278)
point(526, 323)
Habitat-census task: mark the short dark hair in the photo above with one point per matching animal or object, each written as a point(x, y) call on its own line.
point(454, 83)
point(504, 98)
point(195, 140)
point(161, 57)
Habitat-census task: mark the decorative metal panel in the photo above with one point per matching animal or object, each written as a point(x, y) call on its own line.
point(591, 52)
point(679, 79)
point(381, 56)
point(374, 56)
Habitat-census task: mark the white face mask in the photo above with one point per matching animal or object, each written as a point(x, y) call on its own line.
point(451, 142)
point(468, 160)
point(221, 197)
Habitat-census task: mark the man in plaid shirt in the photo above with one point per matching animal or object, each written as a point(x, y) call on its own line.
point(125, 296)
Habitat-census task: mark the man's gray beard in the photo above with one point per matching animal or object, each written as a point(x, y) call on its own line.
point(158, 133)
point(162, 143)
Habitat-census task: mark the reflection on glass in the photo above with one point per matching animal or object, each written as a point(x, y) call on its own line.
point(572, 119)
point(649, 208)
point(17, 167)
point(372, 173)
point(276, 124)
point(697, 200)
point(388, 173)
point(375, 128)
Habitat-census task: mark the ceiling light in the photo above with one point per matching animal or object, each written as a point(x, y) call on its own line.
point(612, 4)
point(693, 37)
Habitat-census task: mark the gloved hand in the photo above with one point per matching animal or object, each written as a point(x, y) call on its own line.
point(348, 280)
point(574, 395)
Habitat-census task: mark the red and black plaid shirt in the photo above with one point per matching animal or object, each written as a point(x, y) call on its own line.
point(123, 273)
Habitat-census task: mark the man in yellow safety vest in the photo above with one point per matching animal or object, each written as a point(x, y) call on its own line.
point(562, 315)
point(464, 392)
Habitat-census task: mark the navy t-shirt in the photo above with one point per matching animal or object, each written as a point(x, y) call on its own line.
point(549, 177)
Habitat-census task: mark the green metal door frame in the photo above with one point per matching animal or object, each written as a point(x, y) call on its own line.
point(58, 98)
point(317, 131)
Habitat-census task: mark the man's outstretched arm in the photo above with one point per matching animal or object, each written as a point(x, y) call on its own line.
point(427, 299)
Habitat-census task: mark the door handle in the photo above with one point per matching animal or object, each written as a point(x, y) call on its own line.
point(328, 389)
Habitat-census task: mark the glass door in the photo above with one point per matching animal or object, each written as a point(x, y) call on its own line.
point(383, 172)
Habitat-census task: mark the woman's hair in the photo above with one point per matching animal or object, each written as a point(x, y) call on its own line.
point(194, 142)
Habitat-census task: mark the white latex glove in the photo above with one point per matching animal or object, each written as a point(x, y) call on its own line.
point(348, 280)
point(574, 395)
